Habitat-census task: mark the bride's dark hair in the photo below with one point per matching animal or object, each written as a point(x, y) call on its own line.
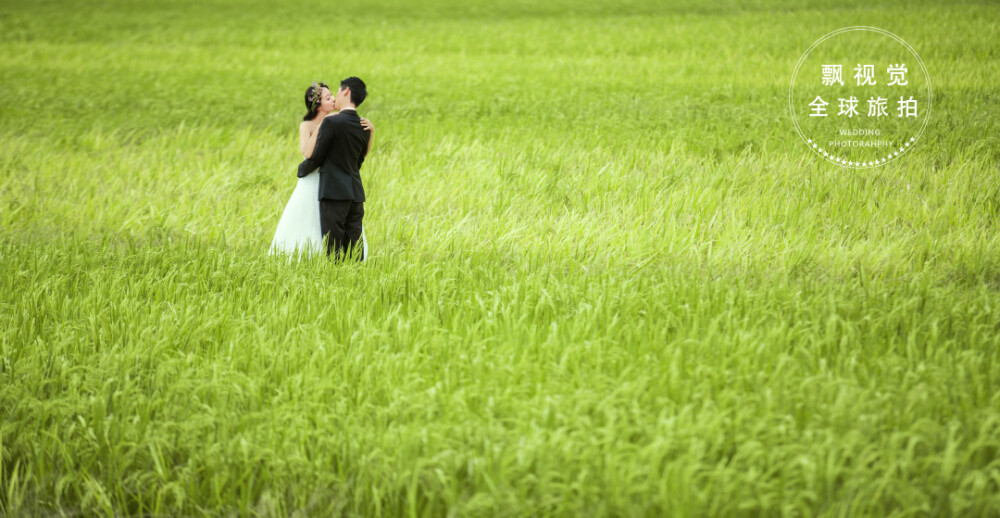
point(314, 98)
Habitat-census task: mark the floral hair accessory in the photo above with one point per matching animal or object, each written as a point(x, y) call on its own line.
point(316, 96)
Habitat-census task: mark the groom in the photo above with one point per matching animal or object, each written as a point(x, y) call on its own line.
point(341, 146)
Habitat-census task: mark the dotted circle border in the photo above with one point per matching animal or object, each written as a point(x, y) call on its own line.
point(893, 155)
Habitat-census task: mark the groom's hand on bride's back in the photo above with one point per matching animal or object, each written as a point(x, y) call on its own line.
point(307, 166)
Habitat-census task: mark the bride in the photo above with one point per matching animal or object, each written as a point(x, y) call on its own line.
point(298, 229)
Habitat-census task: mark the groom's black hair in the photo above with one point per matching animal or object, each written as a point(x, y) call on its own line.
point(358, 90)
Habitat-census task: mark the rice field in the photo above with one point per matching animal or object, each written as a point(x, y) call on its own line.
point(607, 278)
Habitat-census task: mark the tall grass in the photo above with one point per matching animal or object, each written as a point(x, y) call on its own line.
point(606, 277)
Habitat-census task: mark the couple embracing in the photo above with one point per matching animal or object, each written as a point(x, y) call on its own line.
point(327, 205)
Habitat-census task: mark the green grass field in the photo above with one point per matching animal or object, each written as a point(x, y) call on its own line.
point(607, 277)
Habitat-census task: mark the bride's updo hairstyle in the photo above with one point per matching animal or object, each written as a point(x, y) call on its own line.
point(314, 98)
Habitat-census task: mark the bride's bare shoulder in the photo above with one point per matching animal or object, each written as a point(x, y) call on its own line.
point(308, 127)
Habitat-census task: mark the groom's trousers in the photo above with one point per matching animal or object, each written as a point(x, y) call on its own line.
point(340, 222)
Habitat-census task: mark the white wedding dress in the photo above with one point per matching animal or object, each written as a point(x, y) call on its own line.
point(299, 232)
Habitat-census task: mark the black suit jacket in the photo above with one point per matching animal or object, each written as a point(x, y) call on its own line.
point(341, 146)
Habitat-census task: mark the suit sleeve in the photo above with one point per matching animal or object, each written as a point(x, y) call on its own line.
point(322, 148)
point(364, 150)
